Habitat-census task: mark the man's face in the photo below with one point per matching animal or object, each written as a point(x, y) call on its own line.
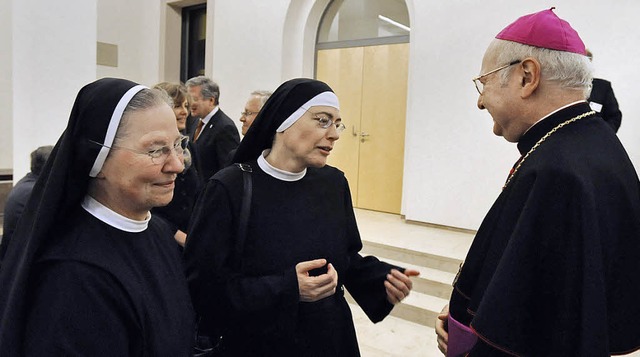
point(251, 109)
point(200, 106)
point(501, 99)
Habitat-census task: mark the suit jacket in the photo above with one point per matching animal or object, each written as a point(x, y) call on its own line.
point(217, 139)
point(16, 201)
point(604, 101)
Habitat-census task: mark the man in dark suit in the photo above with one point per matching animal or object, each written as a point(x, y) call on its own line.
point(215, 135)
point(19, 196)
point(603, 100)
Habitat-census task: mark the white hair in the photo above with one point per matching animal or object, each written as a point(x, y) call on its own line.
point(567, 69)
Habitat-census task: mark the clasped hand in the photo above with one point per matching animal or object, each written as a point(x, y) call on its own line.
point(314, 288)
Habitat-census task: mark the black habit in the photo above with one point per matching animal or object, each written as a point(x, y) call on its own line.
point(255, 297)
point(554, 269)
point(59, 251)
point(102, 291)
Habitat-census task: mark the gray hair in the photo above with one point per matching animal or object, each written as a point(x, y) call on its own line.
point(39, 157)
point(263, 95)
point(567, 69)
point(208, 88)
point(143, 100)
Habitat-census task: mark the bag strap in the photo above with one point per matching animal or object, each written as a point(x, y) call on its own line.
point(245, 209)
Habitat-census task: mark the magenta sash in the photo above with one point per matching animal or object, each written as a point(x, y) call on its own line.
point(461, 338)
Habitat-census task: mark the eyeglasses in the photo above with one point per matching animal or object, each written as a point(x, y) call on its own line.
point(247, 113)
point(480, 85)
point(325, 122)
point(161, 155)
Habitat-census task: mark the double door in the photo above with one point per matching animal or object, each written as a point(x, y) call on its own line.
point(371, 84)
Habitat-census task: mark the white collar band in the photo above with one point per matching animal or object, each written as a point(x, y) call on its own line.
point(112, 218)
point(281, 175)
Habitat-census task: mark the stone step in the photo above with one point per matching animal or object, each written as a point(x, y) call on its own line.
point(419, 308)
point(410, 256)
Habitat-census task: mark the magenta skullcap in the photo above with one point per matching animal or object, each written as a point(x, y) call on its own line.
point(544, 29)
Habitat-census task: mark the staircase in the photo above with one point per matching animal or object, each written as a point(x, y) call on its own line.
point(435, 252)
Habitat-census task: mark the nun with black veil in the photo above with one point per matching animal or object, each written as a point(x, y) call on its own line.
point(277, 289)
point(89, 271)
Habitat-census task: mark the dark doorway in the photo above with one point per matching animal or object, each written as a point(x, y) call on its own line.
point(194, 30)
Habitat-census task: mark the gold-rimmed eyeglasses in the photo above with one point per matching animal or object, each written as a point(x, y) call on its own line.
point(160, 155)
point(480, 85)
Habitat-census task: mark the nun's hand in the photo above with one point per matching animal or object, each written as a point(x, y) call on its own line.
point(398, 285)
point(314, 288)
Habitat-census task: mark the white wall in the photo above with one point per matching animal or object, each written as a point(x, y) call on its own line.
point(454, 166)
point(54, 55)
point(246, 47)
point(6, 97)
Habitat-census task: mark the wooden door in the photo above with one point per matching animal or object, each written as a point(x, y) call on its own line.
point(371, 84)
point(384, 93)
point(341, 69)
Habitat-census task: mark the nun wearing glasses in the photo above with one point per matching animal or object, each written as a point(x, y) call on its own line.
point(280, 291)
point(89, 271)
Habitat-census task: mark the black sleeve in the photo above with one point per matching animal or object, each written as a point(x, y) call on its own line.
point(366, 275)
point(79, 310)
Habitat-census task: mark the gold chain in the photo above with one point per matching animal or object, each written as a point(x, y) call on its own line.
point(583, 115)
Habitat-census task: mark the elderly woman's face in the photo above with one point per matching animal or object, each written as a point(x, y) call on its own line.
point(134, 183)
point(306, 143)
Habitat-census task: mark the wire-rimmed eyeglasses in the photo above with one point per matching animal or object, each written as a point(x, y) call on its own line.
point(325, 122)
point(247, 113)
point(160, 155)
point(480, 85)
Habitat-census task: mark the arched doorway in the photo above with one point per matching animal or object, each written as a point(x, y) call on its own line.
point(362, 52)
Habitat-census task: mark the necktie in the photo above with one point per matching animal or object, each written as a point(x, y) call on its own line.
point(198, 130)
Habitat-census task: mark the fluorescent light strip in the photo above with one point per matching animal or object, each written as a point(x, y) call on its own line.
point(397, 24)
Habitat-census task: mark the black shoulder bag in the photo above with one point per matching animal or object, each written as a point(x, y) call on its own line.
point(204, 345)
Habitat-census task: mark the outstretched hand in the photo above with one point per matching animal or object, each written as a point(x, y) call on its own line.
point(398, 285)
point(314, 288)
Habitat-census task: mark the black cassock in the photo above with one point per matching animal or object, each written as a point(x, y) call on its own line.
point(101, 291)
point(255, 297)
point(554, 269)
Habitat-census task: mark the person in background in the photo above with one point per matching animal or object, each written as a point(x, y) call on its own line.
point(554, 269)
point(279, 291)
point(90, 272)
point(603, 101)
point(19, 196)
point(188, 183)
point(216, 135)
point(252, 107)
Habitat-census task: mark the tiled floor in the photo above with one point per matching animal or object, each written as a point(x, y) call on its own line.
point(394, 336)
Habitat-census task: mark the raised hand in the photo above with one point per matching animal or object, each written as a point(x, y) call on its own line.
point(398, 285)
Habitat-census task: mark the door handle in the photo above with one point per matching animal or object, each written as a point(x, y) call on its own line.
point(363, 135)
